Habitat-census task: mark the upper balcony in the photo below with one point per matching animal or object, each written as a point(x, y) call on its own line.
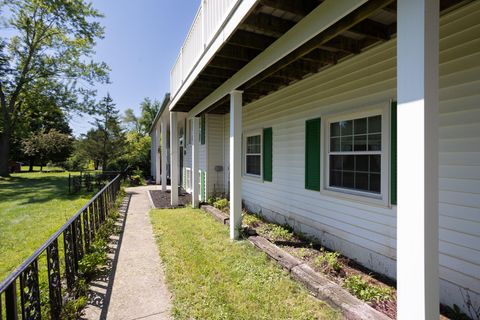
point(209, 20)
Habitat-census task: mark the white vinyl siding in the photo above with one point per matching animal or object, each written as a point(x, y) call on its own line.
point(215, 145)
point(367, 232)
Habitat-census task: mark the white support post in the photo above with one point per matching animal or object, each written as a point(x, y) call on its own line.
point(174, 160)
point(195, 155)
point(235, 163)
point(164, 155)
point(157, 154)
point(417, 136)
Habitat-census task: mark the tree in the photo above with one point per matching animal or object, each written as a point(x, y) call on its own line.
point(149, 110)
point(48, 146)
point(107, 140)
point(49, 46)
point(132, 121)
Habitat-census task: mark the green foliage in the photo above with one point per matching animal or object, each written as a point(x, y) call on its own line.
point(149, 110)
point(73, 309)
point(45, 58)
point(48, 146)
point(221, 204)
point(366, 291)
point(90, 263)
point(251, 220)
point(276, 232)
point(212, 277)
point(328, 261)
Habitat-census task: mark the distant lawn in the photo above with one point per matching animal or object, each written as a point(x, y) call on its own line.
point(212, 277)
point(32, 207)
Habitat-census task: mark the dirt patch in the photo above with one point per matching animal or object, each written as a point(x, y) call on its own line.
point(161, 199)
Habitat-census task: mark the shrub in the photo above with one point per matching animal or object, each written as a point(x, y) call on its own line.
point(276, 232)
point(221, 204)
point(136, 180)
point(251, 220)
point(366, 291)
point(328, 261)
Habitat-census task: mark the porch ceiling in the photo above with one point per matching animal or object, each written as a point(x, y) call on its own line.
point(369, 25)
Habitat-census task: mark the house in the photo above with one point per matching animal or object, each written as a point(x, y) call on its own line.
point(356, 121)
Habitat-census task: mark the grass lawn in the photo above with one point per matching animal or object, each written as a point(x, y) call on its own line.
point(212, 277)
point(32, 207)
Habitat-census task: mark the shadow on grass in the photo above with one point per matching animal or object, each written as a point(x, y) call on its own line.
point(37, 189)
point(101, 287)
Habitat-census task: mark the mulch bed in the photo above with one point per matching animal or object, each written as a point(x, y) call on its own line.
point(161, 199)
point(308, 250)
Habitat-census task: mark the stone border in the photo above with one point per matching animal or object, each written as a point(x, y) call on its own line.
point(319, 285)
point(150, 199)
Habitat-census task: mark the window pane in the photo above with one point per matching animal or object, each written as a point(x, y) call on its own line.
point(336, 162)
point(348, 179)
point(346, 127)
point(360, 126)
point(375, 124)
point(346, 143)
point(348, 162)
point(335, 129)
point(335, 178)
point(253, 164)
point(375, 182)
point(374, 142)
point(375, 163)
point(361, 181)
point(253, 144)
point(361, 163)
point(335, 144)
point(360, 142)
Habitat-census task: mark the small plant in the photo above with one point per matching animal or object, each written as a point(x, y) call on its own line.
point(366, 291)
point(73, 309)
point(251, 220)
point(328, 261)
point(90, 263)
point(275, 232)
point(221, 204)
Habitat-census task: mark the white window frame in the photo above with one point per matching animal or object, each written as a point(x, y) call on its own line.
point(362, 196)
point(246, 135)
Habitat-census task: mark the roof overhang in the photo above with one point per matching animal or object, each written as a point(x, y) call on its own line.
point(281, 42)
point(163, 107)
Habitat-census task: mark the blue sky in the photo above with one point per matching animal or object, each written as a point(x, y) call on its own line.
point(142, 40)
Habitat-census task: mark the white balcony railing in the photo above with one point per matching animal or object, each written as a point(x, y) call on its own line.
point(208, 20)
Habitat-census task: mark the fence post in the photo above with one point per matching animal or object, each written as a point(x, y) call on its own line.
point(11, 302)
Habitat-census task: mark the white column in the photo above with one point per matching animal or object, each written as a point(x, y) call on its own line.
point(195, 173)
point(164, 154)
point(174, 165)
point(417, 136)
point(235, 163)
point(157, 154)
point(152, 152)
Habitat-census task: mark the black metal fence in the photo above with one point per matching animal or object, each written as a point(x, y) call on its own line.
point(53, 267)
point(88, 179)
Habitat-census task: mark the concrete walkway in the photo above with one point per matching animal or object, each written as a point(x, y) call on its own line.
point(135, 288)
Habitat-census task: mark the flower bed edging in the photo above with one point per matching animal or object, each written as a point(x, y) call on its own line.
point(323, 288)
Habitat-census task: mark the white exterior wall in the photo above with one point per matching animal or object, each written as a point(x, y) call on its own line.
point(215, 152)
point(364, 232)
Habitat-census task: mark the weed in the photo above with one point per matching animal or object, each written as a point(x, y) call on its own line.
point(251, 220)
point(366, 291)
point(221, 204)
point(91, 262)
point(73, 309)
point(275, 232)
point(328, 261)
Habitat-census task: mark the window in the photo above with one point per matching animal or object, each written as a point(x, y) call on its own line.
point(355, 154)
point(253, 155)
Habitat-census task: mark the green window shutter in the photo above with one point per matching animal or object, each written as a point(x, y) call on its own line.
point(312, 154)
point(202, 186)
point(393, 153)
point(267, 154)
point(202, 129)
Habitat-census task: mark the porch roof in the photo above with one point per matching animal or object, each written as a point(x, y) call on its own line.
point(372, 23)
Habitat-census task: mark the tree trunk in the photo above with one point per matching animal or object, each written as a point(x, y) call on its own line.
point(30, 162)
point(4, 154)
